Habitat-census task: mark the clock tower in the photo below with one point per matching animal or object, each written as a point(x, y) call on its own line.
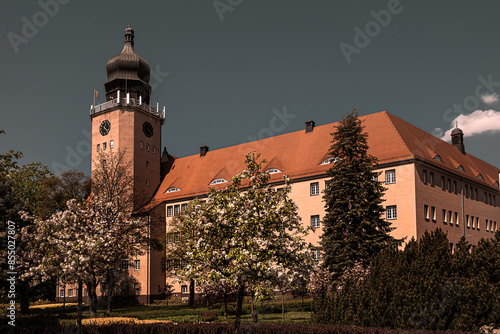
point(126, 122)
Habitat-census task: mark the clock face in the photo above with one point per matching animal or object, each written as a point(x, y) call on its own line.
point(105, 127)
point(147, 128)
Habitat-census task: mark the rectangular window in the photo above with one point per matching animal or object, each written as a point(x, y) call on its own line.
point(70, 292)
point(449, 184)
point(466, 191)
point(444, 216)
point(98, 147)
point(426, 212)
point(315, 221)
point(433, 213)
point(494, 201)
point(170, 211)
point(147, 147)
point(455, 187)
point(125, 264)
point(391, 212)
point(476, 194)
point(184, 288)
point(491, 201)
point(154, 149)
point(170, 265)
point(390, 176)
point(317, 254)
point(432, 179)
point(61, 293)
point(451, 248)
point(137, 265)
point(177, 209)
point(314, 188)
point(111, 144)
point(486, 223)
point(472, 222)
point(467, 221)
point(104, 146)
point(147, 164)
point(450, 217)
point(485, 198)
point(280, 190)
point(494, 226)
point(456, 218)
point(170, 238)
point(177, 237)
point(424, 176)
point(442, 182)
point(470, 192)
point(184, 207)
point(177, 264)
point(140, 145)
point(477, 223)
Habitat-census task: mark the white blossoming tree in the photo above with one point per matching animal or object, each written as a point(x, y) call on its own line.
point(87, 242)
point(240, 233)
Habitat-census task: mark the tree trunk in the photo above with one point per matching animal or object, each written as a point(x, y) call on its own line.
point(80, 300)
point(225, 304)
point(91, 286)
point(111, 293)
point(191, 293)
point(282, 306)
point(252, 299)
point(239, 306)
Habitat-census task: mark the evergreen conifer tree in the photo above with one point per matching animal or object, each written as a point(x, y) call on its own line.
point(353, 227)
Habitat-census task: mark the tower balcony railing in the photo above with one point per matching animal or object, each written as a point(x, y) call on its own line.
point(127, 102)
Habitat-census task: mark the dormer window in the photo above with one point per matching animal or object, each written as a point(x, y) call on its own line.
point(273, 171)
point(496, 183)
point(438, 158)
point(461, 168)
point(479, 176)
point(172, 189)
point(329, 161)
point(217, 181)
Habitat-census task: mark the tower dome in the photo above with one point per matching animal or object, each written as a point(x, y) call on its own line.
point(128, 71)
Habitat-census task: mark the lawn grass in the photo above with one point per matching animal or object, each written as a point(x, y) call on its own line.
point(267, 312)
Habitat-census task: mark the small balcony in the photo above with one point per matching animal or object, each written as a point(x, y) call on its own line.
point(131, 103)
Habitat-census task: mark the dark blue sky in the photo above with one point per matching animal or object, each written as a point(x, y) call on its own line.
point(224, 74)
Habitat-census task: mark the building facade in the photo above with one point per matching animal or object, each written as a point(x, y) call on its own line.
point(430, 183)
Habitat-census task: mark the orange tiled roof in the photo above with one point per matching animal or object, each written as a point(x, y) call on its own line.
point(299, 154)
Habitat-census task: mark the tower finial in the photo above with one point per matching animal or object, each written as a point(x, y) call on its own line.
point(456, 124)
point(129, 25)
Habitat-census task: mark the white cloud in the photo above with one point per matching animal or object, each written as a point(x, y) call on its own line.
point(478, 122)
point(490, 98)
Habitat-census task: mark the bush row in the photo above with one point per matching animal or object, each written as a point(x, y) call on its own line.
point(217, 328)
point(424, 286)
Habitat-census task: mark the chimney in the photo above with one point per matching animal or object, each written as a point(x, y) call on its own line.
point(457, 139)
point(203, 150)
point(310, 125)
